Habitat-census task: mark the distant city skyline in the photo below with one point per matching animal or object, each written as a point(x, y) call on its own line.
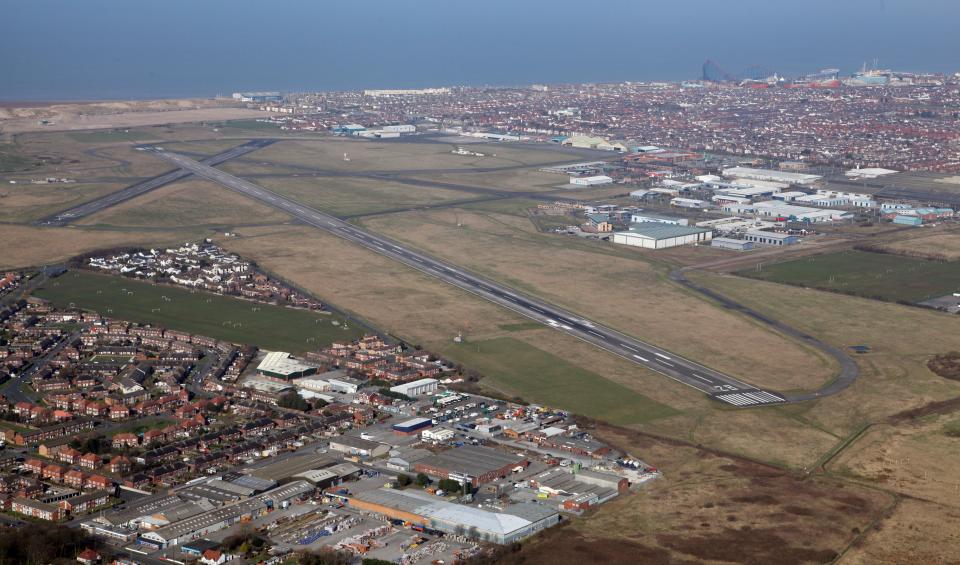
point(102, 49)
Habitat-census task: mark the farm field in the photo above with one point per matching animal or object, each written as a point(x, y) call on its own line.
point(225, 318)
point(873, 275)
point(537, 376)
point(346, 196)
point(637, 298)
point(188, 202)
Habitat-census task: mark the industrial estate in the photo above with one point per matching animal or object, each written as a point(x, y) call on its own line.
point(712, 321)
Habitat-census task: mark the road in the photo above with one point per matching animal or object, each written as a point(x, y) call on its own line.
point(73, 214)
point(718, 385)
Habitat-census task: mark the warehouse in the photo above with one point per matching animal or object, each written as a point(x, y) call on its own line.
point(358, 446)
point(591, 181)
point(416, 388)
point(472, 463)
point(651, 235)
point(413, 426)
point(770, 175)
point(773, 209)
point(280, 365)
point(732, 244)
point(689, 203)
point(641, 217)
point(770, 238)
point(515, 522)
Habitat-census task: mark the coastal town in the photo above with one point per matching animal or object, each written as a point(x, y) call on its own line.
point(168, 445)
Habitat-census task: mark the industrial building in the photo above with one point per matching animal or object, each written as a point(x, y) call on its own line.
point(412, 426)
point(591, 181)
point(472, 463)
point(774, 209)
point(732, 244)
point(358, 446)
point(640, 217)
point(655, 235)
point(225, 516)
point(515, 522)
point(770, 175)
point(762, 237)
point(280, 365)
point(416, 388)
point(689, 203)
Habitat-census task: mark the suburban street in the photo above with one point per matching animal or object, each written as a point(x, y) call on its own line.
point(719, 386)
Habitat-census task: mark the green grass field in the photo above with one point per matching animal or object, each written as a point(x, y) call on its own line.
point(542, 378)
point(230, 319)
point(871, 275)
point(12, 160)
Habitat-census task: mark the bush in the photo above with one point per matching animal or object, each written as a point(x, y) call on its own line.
point(947, 365)
point(403, 480)
point(422, 480)
point(294, 401)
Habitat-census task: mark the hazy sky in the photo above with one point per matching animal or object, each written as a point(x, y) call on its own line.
point(63, 49)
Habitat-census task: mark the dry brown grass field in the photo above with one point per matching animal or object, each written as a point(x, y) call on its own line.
point(346, 196)
point(712, 508)
point(185, 203)
point(916, 532)
point(894, 376)
point(945, 243)
point(631, 295)
point(24, 202)
point(327, 154)
point(24, 246)
point(914, 458)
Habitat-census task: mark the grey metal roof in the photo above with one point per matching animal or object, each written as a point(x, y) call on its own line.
point(657, 230)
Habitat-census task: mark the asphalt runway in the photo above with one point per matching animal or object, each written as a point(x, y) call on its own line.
point(717, 385)
point(92, 207)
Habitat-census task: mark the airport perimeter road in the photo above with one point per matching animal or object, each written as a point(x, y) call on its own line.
point(73, 214)
point(719, 386)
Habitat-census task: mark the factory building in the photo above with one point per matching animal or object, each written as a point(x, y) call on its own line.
point(640, 217)
point(732, 244)
point(358, 446)
point(689, 203)
point(280, 365)
point(513, 523)
point(770, 175)
point(761, 237)
point(475, 464)
point(652, 235)
point(413, 426)
point(774, 209)
point(403, 128)
point(416, 388)
point(591, 181)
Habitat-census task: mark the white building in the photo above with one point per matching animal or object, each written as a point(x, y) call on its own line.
point(770, 175)
point(761, 237)
point(650, 235)
point(416, 388)
point(403, 128)
point(775, 209)
point(437, 435)
point(591, 181)
point(689, 203)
